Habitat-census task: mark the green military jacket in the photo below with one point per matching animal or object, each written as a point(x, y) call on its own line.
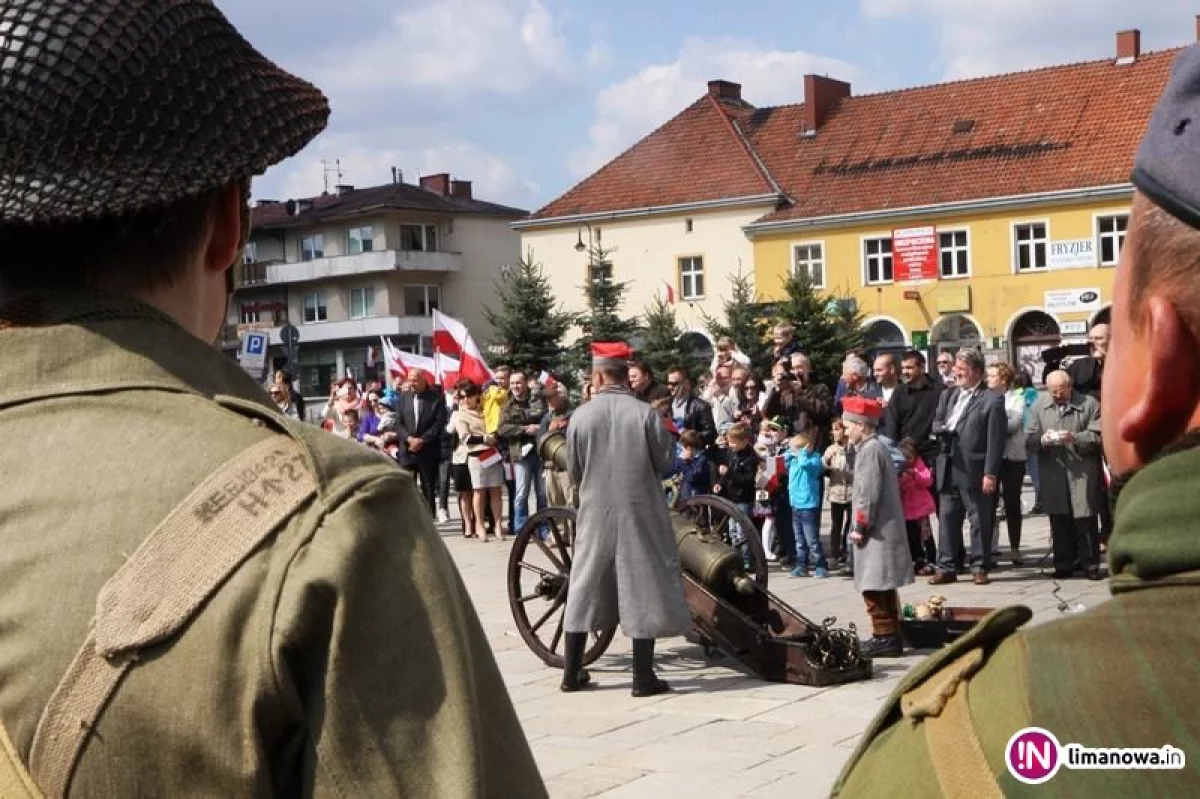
point(1123, 674)
point(343, 658)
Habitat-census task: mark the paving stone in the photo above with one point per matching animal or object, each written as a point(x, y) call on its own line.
point(589, 781)
point(688, 786)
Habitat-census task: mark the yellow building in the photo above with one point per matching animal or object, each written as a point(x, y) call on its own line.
point(1012, 191)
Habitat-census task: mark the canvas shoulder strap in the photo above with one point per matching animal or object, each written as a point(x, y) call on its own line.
point(15, 782)
point(166, 581)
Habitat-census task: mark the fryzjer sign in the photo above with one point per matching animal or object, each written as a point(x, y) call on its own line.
point(1073, 254)
point(1067, 300)
point(915, 254)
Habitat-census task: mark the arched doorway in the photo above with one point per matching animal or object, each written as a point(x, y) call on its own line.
point(883, 336)
point(1033, 333)
point(698, 346)
point(953, 333)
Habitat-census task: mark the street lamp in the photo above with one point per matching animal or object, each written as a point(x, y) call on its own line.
point(579, 245)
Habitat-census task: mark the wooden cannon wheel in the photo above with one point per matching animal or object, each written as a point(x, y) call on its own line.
point(721, 518)
point(539, 574)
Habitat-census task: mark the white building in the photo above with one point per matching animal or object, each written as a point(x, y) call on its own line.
point(671, 210)
point(350, 267)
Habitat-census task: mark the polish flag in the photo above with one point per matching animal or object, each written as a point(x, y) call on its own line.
point(670, 292)
point(452, 337)
point(489, 457)
point(775, 469)
point(446, 370)
point(371, 356)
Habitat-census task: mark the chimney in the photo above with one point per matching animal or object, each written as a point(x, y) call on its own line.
point(460, 189)
point(1198, 27)
point(438, 184)
point(343, 189)
point(821, 96)
point(1129, 46)
point(724, 90)
point(397, 175)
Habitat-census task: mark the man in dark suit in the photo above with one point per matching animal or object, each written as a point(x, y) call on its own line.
point(972, 426)
point(420, 422)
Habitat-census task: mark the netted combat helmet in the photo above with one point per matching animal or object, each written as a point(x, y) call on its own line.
point(109, 107)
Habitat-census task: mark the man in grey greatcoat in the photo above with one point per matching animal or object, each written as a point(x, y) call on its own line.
point(1064, 432)
point(626, 565)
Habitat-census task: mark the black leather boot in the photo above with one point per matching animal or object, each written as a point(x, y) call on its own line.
point(883, 646)
point(575, 677)
point(645, 681)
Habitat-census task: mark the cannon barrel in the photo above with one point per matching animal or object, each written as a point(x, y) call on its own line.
point(707, 558)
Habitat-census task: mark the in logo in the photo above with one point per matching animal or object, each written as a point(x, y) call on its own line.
point(1033, 755)
point(1089, 296)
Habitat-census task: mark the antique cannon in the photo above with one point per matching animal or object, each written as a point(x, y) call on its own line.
point(724, 581)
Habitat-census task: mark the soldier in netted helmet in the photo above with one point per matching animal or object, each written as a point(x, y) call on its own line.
point(199, 596)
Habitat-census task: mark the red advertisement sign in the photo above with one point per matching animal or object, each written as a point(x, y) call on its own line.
point(915, 254)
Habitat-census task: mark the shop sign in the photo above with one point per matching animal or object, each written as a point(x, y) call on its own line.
point(1069, 300)
point(915, 254)
point(954, 299)
point(1072, 254)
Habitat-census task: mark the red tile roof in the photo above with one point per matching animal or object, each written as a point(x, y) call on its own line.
point(1050, 129)
point(697, 156)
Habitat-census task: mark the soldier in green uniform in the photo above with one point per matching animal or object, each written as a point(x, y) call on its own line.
point(1122, 675)
point(198, 595)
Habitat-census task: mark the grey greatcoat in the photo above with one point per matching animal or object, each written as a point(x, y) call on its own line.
point(883, 563)
point(1070, 475)
point(626, 566)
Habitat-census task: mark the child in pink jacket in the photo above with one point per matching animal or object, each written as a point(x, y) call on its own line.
point(915, 483)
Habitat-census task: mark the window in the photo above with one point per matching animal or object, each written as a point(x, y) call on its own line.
point(362, 302)
point(687, 225)
point(809, 259)
point(1030, 242)
point(312, 247)
point(251, 252)
point(362, 239)
point(599, 272)
point(877, 256)
point(955, 253)
point(253, 274)
point(422, 300)
point(691, 278)
point(419, 238)
point(314, 307)
point(1112, 237)
point(250, 314)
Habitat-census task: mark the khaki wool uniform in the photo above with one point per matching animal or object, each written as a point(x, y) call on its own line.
point(1123, 674)
point(341, 659)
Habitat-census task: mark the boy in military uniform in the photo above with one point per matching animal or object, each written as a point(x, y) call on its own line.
point(199, 596)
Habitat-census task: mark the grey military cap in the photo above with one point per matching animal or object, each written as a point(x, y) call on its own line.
point(1167, 169)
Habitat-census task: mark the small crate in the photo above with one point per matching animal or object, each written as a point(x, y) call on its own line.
point(935, 633)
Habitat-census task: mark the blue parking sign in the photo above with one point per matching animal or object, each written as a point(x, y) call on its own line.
point(256, 344)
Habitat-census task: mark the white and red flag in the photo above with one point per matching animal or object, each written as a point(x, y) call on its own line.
point(452, 338)
point(489, 457)
point(670, 292)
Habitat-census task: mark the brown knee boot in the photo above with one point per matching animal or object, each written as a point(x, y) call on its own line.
point(884, 609)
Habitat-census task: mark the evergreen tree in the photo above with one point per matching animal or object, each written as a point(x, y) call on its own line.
point(827, 327)
point(601, 321)
point(660, 347)
point(528, 323)
point(744, 322)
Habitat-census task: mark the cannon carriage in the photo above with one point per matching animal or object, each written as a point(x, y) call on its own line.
point(725, 575)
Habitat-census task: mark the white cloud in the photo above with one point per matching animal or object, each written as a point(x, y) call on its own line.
point(630, 109)
point(985, 37)
point(461, 46)
point(364, 163)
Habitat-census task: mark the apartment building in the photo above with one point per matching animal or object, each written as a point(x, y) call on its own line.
point(348, 267)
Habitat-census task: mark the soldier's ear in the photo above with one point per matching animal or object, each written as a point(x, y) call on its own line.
point(1165, 403)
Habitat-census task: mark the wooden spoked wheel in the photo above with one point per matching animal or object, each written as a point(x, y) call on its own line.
point(721, 518)
point(539, 575)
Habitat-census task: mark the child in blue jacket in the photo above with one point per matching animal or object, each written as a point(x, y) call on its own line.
point(805, 469)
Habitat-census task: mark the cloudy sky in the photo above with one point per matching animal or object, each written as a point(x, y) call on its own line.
point(526, 97)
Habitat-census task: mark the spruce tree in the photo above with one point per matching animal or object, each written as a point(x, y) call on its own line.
point(601, 321)
point(827, 327)
point(661, 348)
point(744, 322)
point(528, 322)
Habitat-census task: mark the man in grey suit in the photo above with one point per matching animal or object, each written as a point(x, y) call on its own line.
point(971, 426)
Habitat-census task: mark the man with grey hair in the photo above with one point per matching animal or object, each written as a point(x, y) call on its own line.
point(972, 428)
point(856, 377)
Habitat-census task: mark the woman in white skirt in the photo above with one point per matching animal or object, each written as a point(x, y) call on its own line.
point(483, 460)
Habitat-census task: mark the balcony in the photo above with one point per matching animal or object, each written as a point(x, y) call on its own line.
point(372, 327)
point(363, 264)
